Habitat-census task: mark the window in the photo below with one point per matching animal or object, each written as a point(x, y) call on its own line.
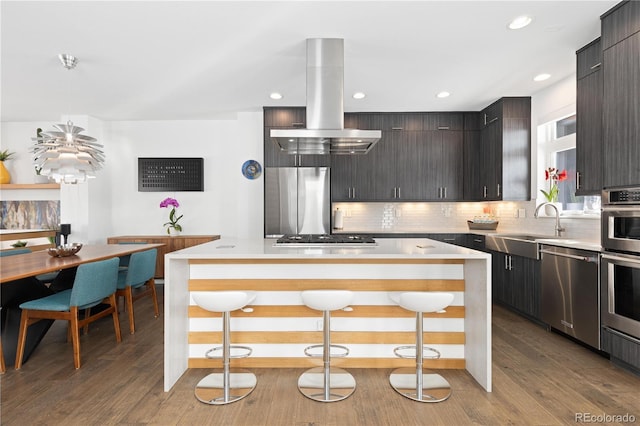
point(557, 148)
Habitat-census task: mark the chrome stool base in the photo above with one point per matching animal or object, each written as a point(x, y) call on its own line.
point(425, 387)
point(330, 385)
point(211, 390)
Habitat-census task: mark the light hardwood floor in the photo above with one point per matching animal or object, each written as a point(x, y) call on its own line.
point(539, 378)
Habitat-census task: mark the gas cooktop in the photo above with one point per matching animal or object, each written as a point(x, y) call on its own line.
point(325, 240)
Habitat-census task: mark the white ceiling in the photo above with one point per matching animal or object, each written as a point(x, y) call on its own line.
point(160, 60)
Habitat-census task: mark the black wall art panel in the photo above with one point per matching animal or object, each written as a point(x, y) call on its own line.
point(170, 174)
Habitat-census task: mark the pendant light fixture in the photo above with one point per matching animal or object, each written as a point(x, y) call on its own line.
point(64, 155)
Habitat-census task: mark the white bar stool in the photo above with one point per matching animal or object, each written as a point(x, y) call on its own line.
point(217, 388)
point(326, 383)
point(414, 383)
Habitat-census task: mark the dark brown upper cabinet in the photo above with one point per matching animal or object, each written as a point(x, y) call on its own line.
point(589, 119)
point(621, 104)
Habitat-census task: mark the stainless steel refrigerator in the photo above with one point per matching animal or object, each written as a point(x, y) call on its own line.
point(297, 201)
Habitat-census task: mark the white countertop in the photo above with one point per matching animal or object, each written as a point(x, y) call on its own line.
point(227, 248)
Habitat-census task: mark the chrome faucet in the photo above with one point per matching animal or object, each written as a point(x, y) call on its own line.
point(559, 229)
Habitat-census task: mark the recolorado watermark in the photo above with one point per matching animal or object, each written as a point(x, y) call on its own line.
point(604, 418)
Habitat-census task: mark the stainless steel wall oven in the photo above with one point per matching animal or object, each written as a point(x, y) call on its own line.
point(620, 267)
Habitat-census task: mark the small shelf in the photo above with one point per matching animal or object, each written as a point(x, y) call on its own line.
point(29, 186)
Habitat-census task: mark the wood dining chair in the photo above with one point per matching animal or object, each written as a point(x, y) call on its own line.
point(139, 272)
point(95, 283)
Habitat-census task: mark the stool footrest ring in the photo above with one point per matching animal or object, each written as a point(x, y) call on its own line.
point(210, 352)
point(398, 352)
point(308, 349)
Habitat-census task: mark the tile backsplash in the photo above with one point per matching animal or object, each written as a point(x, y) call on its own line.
point(452, 217)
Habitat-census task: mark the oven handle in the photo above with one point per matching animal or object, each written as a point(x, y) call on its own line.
point(619, 207)
point(591, 259)
point(621, 258)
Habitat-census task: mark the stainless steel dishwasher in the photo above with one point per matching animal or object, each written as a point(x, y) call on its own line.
point(570, 299)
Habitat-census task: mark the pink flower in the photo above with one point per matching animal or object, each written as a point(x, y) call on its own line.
point(169, 202)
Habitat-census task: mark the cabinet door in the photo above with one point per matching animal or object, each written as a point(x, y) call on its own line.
point(491, 168)
point(451, 165)
point(499, 289)
point(589, 134)
point(342, 170)
point(411, 156)
point(473, 160)
point(524, 280)
point(281, 118)
point(381, 171)
point(589, 59)
point(621, 113)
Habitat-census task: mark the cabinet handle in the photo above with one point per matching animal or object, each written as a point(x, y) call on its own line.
point(443, 127)
point(354, 192)
point(444, 192)
point(477, 240)
point(593, 67)
point(397, 128)
point(448, 239)
point(484, 191)
point(297, 124)
point(485, 119)
point(349, 190)
point(510, 264)
point(506, 262)
point(493, 119)
point(577, 180)
point(395, 192)
point(399, 196)
point(498, 190)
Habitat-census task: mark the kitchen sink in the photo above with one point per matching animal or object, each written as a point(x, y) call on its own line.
point(525, 245)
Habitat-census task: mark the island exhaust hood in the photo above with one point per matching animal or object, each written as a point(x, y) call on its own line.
point(325, 132)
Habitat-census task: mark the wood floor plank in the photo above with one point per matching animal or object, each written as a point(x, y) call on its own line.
point(540, 377)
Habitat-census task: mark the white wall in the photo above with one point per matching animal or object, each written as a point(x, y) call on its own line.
point(230, 205)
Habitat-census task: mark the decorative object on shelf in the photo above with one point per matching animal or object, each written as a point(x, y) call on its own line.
point(5, 176)
point(554, 176)
point(251, 169)
point(65, 230)
point(65, 155)
point(18, 244)
point(485, 225)
point(173, 227)
point(64, 250)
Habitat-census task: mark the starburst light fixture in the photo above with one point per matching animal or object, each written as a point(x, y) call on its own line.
point(65, 155)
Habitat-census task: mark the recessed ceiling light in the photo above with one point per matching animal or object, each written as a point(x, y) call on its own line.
point(541, 77)
point(443, 94)
point(520, 22)
point(275, 95)
point(359, 95)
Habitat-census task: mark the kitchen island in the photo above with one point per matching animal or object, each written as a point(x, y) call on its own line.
point(280, 326)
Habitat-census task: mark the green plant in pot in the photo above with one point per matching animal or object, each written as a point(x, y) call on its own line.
point(5, 176)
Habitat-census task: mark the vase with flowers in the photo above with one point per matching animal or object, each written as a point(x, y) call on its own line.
point(173, 227)
point(553, 176)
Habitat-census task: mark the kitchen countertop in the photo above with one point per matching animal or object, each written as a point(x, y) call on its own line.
point(385, 248)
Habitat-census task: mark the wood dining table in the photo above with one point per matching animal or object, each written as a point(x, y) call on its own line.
point(18, 284)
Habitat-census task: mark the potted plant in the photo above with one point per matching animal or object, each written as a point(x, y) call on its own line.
point(173, 227)
point(40, 178)
point(554, 176)
point(5, 176)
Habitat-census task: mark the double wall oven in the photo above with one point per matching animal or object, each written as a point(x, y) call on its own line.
point(620, 267)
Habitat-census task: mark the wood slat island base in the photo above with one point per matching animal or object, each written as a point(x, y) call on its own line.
point(280, 326)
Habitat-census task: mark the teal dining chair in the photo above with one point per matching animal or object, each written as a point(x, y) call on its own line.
point(139, 272)
point(95, 283)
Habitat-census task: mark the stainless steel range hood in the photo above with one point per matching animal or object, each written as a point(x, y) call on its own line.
point(325, 132)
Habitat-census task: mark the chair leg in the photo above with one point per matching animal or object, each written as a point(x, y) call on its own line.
point(87, 313)
point(116, 322)
point(152, 285)
point(75, 336)
point(3, 368)
point(129, 300)
point(22, 338)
